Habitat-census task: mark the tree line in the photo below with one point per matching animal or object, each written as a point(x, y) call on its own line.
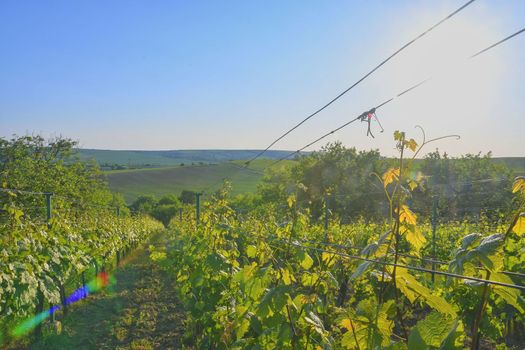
point(347, 183)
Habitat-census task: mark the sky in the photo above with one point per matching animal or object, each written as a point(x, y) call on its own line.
point(236, 74)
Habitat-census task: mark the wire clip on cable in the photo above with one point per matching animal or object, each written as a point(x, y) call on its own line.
point(367, 117)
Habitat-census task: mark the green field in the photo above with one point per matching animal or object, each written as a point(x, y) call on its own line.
point(142, 159)
point(132, 183)
point(159, 181)
point(131, 158)
point(207, 178)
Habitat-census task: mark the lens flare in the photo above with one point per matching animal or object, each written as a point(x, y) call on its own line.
point(102, 280)
point(31, 323)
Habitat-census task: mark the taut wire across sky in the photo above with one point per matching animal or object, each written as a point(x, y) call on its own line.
point(234, 74)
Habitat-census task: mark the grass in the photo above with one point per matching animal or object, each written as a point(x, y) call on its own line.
point(262, 164)
point(140, 312)
point(120, 171)
point(161, 181)
point(140, 159)
point(131, 158)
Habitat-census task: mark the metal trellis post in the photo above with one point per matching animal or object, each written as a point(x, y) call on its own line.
point(326, 213)
point(198, 206)
point(48, 207)
point(434, 225)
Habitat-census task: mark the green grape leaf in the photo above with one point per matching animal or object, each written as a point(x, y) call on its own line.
point(470, 239)
point(287, 277)
point(251, 251)
point(306, 260)
point(309, 279)
point(431, 332)
point(367, 325)
point(361, 269)
point(454, 339)
point(488, 252)
point(328, 258)
point(412, 289)
point(510, 295)
point(316, 322)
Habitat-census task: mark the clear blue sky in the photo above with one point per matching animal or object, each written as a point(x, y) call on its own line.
point(236, 74)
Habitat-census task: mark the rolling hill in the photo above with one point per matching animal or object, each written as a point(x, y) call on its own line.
point(145, 159)
point(161, 172)
point(208, 178)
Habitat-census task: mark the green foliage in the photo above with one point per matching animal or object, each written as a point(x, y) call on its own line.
point(37, 165)
point(164, 213)
point(187, 197)
point(436, 331)
point(143, 205)
point(164, 210)
point(466, 184)
point(257, 279)
point(161, 181)
point(37, 257)
point(334, 169)
point(169, 199)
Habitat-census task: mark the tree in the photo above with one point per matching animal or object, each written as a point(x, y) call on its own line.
point(466, 185)
point(169, 199)
point(164, 213)
point(187, 197)
point(143, 204)
point(342, 174)
point(163, 210)
point(34, 164)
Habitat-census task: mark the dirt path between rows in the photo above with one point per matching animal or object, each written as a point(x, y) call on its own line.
point(139, 312)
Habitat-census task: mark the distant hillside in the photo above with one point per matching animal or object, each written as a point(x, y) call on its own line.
point(515, 163)
point(141, 159)
point(207, 178)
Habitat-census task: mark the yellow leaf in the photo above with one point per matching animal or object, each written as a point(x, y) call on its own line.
point(328, 258)
point(308, 299)
point(391, 175)
point(407, 216)
point(519, 184)
point(412, 184)
point(291, 201)
point(519, 228)
point(415, 238)
point(306, 260)
point(412, 144)
point(346, 324)
point(287, 277)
